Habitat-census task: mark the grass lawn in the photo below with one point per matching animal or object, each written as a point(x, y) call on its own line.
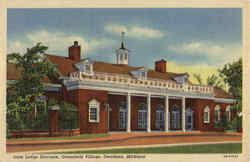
point(81, 136)
point(233, 148)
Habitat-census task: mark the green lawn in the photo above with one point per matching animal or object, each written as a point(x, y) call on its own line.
point(233, 148)
point(81, 136)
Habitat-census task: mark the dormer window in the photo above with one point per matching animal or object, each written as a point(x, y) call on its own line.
point(85, 66)
point(143, 74)
point(140, 73)
point(182, 78)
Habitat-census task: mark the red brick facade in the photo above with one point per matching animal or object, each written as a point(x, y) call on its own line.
point(81, 98)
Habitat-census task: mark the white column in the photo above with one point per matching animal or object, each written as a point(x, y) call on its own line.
point(128, 113)
point(183, 114)
point(166, 113)
point(149, 113)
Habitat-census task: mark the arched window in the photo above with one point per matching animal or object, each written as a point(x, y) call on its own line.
point(207, 115)
point(142, 116)
point(123, 115)
point(94, 111)
point(217, 113)
point(160, 116)
point(228, 112)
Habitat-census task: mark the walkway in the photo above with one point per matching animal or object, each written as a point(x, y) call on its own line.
point(124, 139)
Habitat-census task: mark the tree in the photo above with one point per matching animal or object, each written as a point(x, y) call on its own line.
point(232, 76)
point(215, 81)
point(212, 80)
point(24, 95)
point(198, 78)
point(231, 73)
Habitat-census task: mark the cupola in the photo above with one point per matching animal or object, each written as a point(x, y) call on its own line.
point(122, 53)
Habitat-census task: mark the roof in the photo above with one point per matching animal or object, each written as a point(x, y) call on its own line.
point(14, 73)
point(66, 66)
point(219, 93)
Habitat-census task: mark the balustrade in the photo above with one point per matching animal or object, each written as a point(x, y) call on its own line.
point(150, 82)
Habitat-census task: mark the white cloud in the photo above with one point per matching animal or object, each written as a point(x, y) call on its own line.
point(116, 29)
point(57, 42)
point(225, 53)
point(17, 46)
point(135, 31)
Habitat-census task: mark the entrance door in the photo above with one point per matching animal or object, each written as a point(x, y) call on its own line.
point(175, 119)
point(160, 119)
point(189, 119)
point(123, 119)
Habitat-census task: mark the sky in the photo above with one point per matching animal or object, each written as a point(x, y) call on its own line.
point(193, 40)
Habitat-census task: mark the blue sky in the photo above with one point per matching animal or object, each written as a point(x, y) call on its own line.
point(188, 38)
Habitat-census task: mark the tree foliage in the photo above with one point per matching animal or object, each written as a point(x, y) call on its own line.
point(198, 78)
point(211, 80)
point(231, 73)
point(24, 95)
point(215, 81)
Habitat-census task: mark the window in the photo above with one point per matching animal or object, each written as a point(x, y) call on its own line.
point(228, 113)
point(143, 74)
point(207, 115)
point(123, 115)
point(160, 117)
point(87, 68)
point(142, 116)
point(175, 119)
point(121, 57)
point(94, 111)
point(217, 113)
point(126, 56)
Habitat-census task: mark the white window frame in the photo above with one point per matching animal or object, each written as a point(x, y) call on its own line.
point(142, 122)
point(82, 67)
point(160, 119)
point(217, 110)
point(94, 104)
point(175, 117)
point(206, 111)
point(189, 112)
point(142, 112)
point(122, 116)
point(228, 112)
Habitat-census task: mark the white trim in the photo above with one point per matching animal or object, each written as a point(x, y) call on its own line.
point(217, 109)
point(94, 104)
point(123, 89)
point(224, 100)
point(183, 114)
point(206, 110)
point(166, 113)
point(149, 113)
point(228, 109)
point(128, 113)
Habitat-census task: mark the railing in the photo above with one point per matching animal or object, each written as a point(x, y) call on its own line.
point(149, 82)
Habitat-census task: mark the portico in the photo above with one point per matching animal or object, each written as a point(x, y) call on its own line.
point(151, 115)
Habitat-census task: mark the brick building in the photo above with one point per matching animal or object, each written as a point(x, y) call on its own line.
point(119, 97)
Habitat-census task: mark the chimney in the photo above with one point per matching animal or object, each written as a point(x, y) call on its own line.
point(75, 52)
point(161, 66)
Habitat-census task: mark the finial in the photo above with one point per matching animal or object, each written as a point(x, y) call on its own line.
point(123, 40)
